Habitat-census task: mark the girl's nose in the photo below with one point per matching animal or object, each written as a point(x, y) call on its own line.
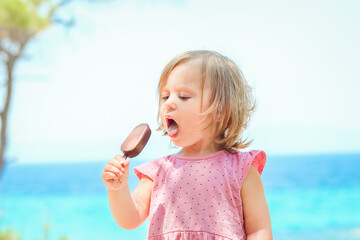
point(170, 103)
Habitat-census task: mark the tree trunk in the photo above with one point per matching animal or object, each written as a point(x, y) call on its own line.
point(4, 113)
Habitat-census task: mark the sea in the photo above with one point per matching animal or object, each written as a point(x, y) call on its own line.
point(309, 197)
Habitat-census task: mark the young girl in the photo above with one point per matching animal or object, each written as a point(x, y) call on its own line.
point(209, 189)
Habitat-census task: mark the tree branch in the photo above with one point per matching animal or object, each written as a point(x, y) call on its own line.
point(5, 51)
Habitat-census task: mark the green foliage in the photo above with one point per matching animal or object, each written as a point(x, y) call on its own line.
point(26, 15)
point(9, 234)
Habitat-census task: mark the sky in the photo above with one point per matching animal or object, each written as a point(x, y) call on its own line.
point(80, 91)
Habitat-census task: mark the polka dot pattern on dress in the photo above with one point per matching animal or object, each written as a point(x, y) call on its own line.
point(199, 196)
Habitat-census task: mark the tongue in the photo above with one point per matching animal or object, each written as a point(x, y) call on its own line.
point(173, 129)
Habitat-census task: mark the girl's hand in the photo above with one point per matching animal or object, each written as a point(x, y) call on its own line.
point(116, 173)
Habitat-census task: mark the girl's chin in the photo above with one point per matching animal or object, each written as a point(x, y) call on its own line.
point(176, 142)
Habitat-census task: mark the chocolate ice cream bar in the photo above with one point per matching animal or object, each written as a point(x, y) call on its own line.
point(136, 140)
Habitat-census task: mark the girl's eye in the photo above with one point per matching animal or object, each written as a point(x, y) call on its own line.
point(164, 98)
point(184, 97)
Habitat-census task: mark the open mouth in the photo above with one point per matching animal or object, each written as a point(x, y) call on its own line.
point(172, 126)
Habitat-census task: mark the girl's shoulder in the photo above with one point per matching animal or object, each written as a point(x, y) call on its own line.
point(150, 168)
point(248, 158)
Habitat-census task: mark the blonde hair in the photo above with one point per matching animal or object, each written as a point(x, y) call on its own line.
point(231, 95)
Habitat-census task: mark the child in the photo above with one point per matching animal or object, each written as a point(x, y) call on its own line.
point(209, 189)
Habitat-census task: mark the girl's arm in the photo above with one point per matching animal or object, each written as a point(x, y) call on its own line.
point(256, 211)
point(129, 210)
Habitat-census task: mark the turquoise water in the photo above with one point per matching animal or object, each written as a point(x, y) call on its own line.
point(310, 197)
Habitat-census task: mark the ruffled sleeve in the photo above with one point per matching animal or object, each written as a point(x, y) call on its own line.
point(149, 169)
point(254, 157)
point(258, 159)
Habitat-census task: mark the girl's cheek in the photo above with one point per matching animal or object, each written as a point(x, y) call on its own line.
point(161, 110)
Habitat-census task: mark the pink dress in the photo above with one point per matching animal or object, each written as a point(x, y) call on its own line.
point(198, 197)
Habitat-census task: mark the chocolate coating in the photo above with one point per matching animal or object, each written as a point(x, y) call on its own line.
point(136, 140)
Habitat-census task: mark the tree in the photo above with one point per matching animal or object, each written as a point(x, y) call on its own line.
point(20, 22)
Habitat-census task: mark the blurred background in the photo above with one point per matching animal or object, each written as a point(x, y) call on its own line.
point(84, 82)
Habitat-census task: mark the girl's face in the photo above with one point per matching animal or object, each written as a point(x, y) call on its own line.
point(181, 108)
